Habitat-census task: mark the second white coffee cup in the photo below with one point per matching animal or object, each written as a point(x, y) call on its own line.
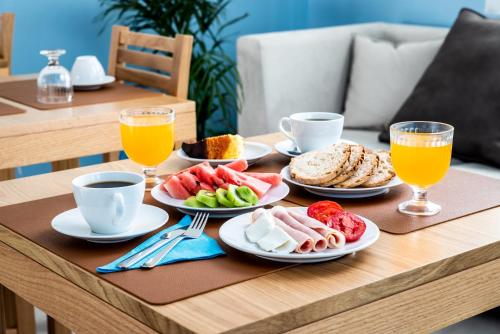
point(109, 201)
point(312, 130)
point(87, 70)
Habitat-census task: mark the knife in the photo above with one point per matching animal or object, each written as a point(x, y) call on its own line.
point(165, 239)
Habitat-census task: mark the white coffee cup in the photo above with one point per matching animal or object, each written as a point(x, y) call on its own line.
point(87, 70)
point(109, 210)
point(312, 130)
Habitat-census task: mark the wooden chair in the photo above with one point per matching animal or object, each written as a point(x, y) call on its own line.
point(6, 32)
point(166, 70)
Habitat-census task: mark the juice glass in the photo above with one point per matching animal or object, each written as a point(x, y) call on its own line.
point(148, 138)
point(421, 155)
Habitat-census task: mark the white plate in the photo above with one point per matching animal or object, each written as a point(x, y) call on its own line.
point(342, 192)
point(95, 85)
point(72, 223)
point(252, 152)
point(273, 195)
point(285, 147)
point(232, 233)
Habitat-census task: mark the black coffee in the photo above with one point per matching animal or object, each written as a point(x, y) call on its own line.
point(319, 119)
point(110, 184)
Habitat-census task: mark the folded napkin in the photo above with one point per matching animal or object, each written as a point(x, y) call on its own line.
point(203, 247)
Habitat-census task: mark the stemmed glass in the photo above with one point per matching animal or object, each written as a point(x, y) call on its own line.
point(421, 155)
point(54, 81)
point(148, 138)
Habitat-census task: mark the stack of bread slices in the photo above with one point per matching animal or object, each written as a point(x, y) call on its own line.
point(343, 166)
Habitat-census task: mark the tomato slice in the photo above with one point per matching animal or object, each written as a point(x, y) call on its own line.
point(322, 210)
point(349, 224)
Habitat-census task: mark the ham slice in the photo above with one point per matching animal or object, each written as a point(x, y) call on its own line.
point(320, 243)
point(305, 243)
point(335, 238)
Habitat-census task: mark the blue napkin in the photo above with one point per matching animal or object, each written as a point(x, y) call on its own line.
point(203, 247)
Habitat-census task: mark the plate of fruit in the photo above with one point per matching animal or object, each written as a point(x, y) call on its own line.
point(222, 150)
point(224, 191)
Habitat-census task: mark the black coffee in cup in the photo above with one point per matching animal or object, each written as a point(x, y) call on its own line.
point(110, 184)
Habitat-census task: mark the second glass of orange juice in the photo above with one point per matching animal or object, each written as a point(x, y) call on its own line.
point(421, 155)
point(148, 138)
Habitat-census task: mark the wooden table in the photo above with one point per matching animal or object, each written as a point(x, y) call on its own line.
point(45, 135)
point(418, 282)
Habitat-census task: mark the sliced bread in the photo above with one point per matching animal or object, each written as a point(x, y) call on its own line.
point(355, 159)
point(317, 167)
point(363, 173)
point(384, 172)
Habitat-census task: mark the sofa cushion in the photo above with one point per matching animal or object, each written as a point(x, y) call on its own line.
point(383, 75)
point(462, 87)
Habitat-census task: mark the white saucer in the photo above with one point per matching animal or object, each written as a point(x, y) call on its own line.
point(252, 153)
point(95, 85)
point(286, 147)
point(72, 223)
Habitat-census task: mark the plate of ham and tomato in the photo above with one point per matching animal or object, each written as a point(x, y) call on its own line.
point(321, 232)
point(181, 189)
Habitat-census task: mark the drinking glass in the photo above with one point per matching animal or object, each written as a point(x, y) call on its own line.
point(421, 155)
point(54, 81)
point(148, 138)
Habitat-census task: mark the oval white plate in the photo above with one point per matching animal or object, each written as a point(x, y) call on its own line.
point(342, 192)
point(232, 233)
point(95, 85)
point(72, 223)
point(273, 195)
point(285, 147)
point(252, 152)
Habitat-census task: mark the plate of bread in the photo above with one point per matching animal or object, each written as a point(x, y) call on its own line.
point(222, 150)
point(343, 171)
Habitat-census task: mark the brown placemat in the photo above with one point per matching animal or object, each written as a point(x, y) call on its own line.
point(459, 194)
point(25, 91)
point(7, 109)
point(161, 285)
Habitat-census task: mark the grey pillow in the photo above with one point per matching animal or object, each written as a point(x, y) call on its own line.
point(382, 77)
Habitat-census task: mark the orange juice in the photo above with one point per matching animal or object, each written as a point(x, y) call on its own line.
point(419, 164)
point(147, 140)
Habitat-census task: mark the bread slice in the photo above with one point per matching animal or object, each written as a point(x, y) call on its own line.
point(363, 173)
point(317, 167)
point(384, 172)
point(355, 159)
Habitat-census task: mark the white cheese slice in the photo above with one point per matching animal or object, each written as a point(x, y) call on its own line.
point(287, 247)
point(261, 227)
point(274, 239)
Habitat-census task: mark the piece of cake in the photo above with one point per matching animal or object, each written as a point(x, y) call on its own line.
point(220, 147)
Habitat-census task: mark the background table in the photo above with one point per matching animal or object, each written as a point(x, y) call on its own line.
point(418, 282)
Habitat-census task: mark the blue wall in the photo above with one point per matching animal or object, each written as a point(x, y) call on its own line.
point(70, 24)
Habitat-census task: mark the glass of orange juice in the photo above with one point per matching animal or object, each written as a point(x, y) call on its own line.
point(148, 138)
point(421, 155)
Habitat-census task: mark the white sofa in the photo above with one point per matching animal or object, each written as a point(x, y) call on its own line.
point(307, 70)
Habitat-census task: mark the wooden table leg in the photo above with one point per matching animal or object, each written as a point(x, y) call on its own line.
point(65, 164)
point(54, 327)
point(111, 156)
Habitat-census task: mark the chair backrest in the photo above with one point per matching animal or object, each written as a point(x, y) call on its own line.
point(6, 32)
point(167, 71)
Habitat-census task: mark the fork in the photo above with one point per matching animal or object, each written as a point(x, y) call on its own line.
point(194, 231)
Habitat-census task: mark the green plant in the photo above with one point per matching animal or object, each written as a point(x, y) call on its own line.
point(214, 76)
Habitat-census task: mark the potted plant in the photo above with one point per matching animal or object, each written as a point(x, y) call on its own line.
point(214, 76)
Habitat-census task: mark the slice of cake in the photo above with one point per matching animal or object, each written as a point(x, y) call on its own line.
point(220, 147)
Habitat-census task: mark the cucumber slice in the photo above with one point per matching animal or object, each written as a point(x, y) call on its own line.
point(247, 194)
point(194, 203)
point(221, 195)
point(232, 195)
point(208, 198)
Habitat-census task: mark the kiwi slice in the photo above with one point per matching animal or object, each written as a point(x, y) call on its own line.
point(194, 203)
point(247, 194)
point(221, 195)
point(233, 196)
point(208, 198)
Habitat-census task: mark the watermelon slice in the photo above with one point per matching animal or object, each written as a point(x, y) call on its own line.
point(206, 186)
point(259, 187)
point(189, 181)
point(206, 174)
point(175, 188)
point(273, 178)
point(239, 165)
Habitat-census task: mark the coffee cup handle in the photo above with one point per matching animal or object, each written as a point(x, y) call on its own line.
point(283, 121)
point(119, 205)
